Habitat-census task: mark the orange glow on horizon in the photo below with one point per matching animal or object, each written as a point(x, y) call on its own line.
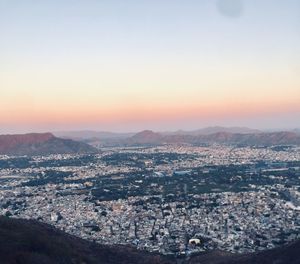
point(139, 113)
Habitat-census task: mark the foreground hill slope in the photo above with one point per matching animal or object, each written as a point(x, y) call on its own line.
point(40, 144)
point(23, 241)
point(27, 241)
point(289, 254)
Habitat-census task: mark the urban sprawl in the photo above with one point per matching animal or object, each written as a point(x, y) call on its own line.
point(169, 199)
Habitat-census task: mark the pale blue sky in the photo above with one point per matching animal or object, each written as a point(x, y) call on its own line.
point(56, 48)
point(31, 29)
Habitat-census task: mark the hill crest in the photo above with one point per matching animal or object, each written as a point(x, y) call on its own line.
point(40, 144)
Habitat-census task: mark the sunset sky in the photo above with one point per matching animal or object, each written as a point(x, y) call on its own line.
point(158, 64)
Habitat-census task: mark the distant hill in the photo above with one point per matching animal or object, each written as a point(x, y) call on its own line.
point(296, 130)
point(251, 139)
point(241, 136)
point(40, 144)
point(146, 137)
point(83, 135)
point(233, 130)
point(90, 134)
point(216, 129)
point(28, 241)
point(258, 139)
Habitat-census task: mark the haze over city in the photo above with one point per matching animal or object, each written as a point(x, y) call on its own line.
point(133, 65)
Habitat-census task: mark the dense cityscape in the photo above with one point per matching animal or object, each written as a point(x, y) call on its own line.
point(171, 199)
point(150, 132)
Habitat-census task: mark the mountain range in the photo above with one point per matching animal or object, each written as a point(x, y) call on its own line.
point(102, 135)
point(86, 142)
point(253, 139)
point(30, 241)
point(150, 138)
point(40, 144)
point(90, 134)
point(241, 136)
point(215, 129)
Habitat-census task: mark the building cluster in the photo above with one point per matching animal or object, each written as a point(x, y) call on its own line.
point(264, 217)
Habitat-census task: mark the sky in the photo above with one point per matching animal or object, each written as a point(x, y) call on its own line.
point(118, 65)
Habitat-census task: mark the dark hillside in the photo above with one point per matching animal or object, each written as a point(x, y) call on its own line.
point(32, 242)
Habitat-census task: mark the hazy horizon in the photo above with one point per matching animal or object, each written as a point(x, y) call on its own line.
point(124, 131)
point(160, 65)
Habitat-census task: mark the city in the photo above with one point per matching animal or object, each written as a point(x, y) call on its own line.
point(163, 198)
point(150, 132)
